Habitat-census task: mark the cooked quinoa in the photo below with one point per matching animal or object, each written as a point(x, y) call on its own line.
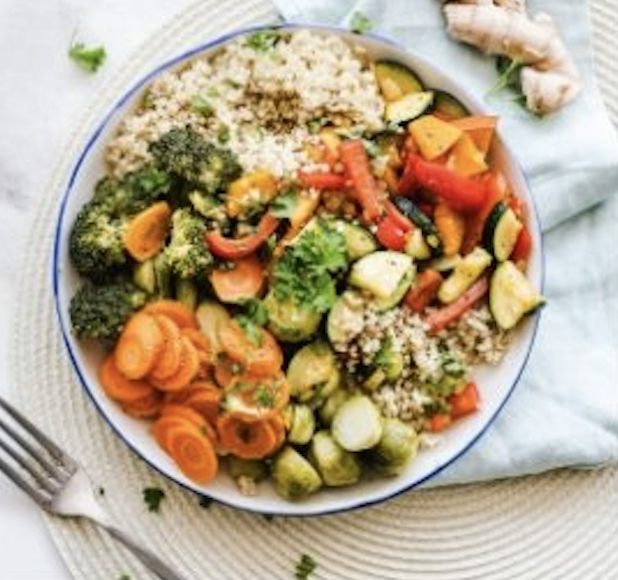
point(263, 104)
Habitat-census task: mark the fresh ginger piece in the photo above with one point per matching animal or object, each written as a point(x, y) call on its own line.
point(433, 136)
point(465, 158)
point(481, 129)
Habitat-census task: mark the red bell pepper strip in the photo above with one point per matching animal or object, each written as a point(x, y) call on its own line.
point(475, 223)
point(523, 246)
point(518, 206)
point(423, 291)
point(356, 163)
point(233, 249)
point(465, 402)
point(401, 220)
point(408, 183)
point(391, 235)
point(461, 193)
point(322, 180)
point(446, 315)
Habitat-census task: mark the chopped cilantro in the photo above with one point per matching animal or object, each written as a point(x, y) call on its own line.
point(265, 397)
point(88, 59)
point(305, 272)
point(223, 136)
point(253, 318)
point(263, 40)
point(305, 567)
point(284, 205)
point(201, 105)
point(153, 496)
point(359, 24)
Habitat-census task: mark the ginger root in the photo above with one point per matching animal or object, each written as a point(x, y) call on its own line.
point(549, 77)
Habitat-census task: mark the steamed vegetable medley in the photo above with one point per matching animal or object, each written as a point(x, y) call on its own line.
point(311, 320)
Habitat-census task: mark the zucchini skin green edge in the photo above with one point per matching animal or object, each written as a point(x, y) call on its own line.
point(56, 266)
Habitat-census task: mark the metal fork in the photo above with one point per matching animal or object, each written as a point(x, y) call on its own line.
point(57, 483)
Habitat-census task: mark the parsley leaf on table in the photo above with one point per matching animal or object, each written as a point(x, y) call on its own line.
point(360, 23)
point(262, 40)
point(89, 59)
point(153, 496)
point(305, 567)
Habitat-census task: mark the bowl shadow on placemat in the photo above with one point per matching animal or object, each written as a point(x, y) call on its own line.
point(561, 525)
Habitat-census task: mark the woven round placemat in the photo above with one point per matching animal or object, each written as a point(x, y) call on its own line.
point(561, 525)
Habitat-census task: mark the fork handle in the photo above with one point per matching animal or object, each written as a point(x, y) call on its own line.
point(144, 555)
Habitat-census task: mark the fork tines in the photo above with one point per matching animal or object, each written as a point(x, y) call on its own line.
point(29, 458)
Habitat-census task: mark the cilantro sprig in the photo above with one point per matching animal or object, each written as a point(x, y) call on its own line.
point(305, 567)
point(153, 496)
point(305, 273)
point(360, 23)
point(89, 59)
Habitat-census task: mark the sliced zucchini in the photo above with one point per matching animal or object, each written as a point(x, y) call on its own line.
point(381, 272)
point(211, 317)
point(464, 275)
point(345, 319)
point(408, 107)
point(396, 297)
point(416, 246)
point(420, 220)
point(289, 322)
point(357, 424)
point(396, 80)
point(302, 425)
point(511, 295)
point(501, 231)
point(358, 241)
point(144, 276)
point(186, 292)
point(445, 263)
point(337, 466)
point(449, 107)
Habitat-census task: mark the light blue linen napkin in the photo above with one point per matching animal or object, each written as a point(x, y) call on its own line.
point(565, 410)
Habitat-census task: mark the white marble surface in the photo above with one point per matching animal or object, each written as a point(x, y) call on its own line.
point(42, 97)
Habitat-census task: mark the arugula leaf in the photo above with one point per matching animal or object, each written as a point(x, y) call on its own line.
point(305, 567)
point(263, 40)
point(305, 272)
point(360, 23)
point(508, 75)
point(88, 59)
point(153, 496)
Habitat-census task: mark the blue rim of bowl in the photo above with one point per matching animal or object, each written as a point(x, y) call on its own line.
point(57, 267)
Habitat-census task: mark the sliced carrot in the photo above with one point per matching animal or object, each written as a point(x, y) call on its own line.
point(148, 407)
point(184, 317)
point(169, 359)
point(256, 397)
point(188, 444)
point(147, 231)
point(423, 291)
point(205, 352)
point(439, 422)
point(187, 369)
point(226, 370)
point(139, 346)
point(201, 396)
point(451, 227)
point(120, 388)
point(465, 402)
point(263, 357)
point(246, 439)
point(245, 280)
point(278, 424)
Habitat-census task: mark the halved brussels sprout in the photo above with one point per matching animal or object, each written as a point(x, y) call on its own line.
point(302, 424)
point(337, 466)
point(313, 373)
point(357, 424)
point(397, 446)
point(251, 468)
point(294, 477)
point(327, 411)
point(288, 322)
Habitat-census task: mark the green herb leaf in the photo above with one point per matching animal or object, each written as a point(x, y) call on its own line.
point(124, 577)
point(254, 317)
point(305, 567)
point(359, 24)
point(305, 273)
point(205, 502)
point(508, 75)
point(201, 105)
point(88, 59)
point(265, 397)
point(268, 517)
point(223, 136)
point(284, 205)
point(153, 496)
point(263, 40)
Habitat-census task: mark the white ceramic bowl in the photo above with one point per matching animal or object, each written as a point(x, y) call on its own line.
point(495, 383)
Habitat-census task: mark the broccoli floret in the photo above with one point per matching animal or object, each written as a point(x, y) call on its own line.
point(100, 311)
point(187, 154)
point(96, 240)
point(187, 254)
